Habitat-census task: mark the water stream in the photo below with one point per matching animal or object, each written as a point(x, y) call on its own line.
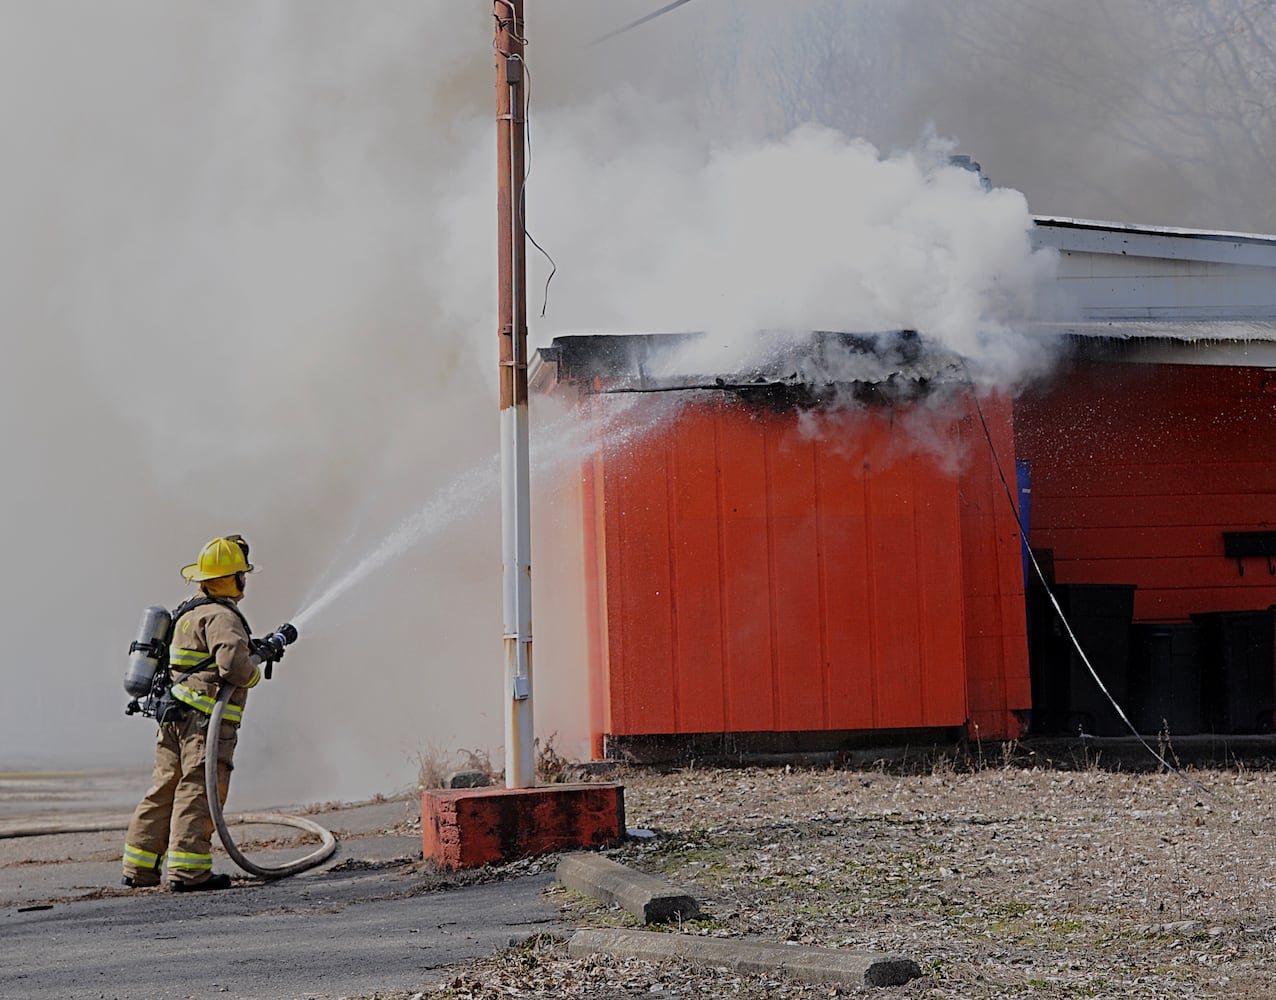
point(457, 498)
point(561, 441)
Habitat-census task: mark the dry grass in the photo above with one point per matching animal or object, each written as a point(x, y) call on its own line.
point(551, 766)
point(1003, 881)
point(434, 765)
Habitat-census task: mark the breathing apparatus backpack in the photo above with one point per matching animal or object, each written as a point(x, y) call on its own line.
point(147, 679)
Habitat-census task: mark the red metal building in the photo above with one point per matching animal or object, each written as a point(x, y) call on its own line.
point(1152, 504)
point(771, 551)
point(757, 561)
point(1140, 470)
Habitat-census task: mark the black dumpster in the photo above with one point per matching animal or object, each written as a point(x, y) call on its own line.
point(1237, 671)
point(1065, 697)
point(1165, 679)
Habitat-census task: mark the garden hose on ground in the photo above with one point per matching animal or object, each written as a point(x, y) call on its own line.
point(328, 842)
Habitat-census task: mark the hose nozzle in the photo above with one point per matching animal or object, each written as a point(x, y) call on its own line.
point(271, 648)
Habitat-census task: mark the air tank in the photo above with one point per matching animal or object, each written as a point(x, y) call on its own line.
point(147, 650)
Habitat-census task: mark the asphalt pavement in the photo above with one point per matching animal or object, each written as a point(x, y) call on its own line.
point(374, 919)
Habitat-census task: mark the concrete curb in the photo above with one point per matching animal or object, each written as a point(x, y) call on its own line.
point(809, 965)
point(649, 899)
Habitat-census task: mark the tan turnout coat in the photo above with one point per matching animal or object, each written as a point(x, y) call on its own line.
point(216, 629)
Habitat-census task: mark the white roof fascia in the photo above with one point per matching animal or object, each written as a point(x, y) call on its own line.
point(1084, 236)
point(1215, 342)
point(1183, 331)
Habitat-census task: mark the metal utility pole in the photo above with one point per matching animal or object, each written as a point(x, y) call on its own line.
point(516, 522)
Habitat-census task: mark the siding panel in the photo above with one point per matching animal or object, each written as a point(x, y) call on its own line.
point(745, 571)
point(795, 579)
point(698, 646)
point(850, 636)
point(999, 691)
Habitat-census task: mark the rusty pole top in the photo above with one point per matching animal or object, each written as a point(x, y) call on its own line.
point(510, 212)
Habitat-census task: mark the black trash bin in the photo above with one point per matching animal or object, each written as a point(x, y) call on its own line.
point(1237, 670)
point(1065, 697)
point(1165, 678)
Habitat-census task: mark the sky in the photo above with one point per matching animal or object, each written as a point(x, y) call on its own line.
point(248, 285)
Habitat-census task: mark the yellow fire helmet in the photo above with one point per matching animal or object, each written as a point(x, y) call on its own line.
point(220, 557)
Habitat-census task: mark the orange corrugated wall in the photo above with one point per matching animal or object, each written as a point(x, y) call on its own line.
point(750, 575)
point(999, 691)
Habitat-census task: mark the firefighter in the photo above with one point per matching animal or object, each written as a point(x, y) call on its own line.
point(210, 646)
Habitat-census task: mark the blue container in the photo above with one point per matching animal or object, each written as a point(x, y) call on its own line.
point(1023, 484)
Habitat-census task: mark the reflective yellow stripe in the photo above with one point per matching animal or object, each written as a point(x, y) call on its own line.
point(256, 677)
point(192, 862)
point(179, 656)
point(205, 704)
point(193, 698)
point(141, 858)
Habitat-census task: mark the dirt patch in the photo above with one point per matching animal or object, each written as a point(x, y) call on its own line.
point(1003, 882)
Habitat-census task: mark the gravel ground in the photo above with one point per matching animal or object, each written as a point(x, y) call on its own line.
point(1004, 881)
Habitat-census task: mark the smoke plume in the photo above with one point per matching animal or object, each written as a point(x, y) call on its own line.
point(248, 284)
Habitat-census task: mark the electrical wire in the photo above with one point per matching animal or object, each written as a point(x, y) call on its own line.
point(522, 190)
point(634, 24)
point(527, 132)
point(511, 21)
point(1054, 601)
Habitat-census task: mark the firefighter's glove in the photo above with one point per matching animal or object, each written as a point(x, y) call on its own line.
point(266, 650)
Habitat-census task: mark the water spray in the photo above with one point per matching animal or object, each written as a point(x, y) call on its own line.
point(453, 501)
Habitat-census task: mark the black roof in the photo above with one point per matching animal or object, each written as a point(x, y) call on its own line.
point(794, 366)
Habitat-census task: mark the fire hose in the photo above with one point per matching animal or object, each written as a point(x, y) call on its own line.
point(328, 842)
point(327, 846)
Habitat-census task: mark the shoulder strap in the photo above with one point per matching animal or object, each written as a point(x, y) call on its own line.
point(195, 669)
point(201, 600)
point(191, 605)
point(232, 606)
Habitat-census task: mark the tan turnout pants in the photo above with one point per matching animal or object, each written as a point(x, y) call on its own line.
point(172, 825)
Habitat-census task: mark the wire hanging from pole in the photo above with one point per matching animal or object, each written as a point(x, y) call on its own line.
point(522, 190)
point(521, 196)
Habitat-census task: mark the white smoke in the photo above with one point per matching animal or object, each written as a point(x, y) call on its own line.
point(247, 283)
point(814, 231)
